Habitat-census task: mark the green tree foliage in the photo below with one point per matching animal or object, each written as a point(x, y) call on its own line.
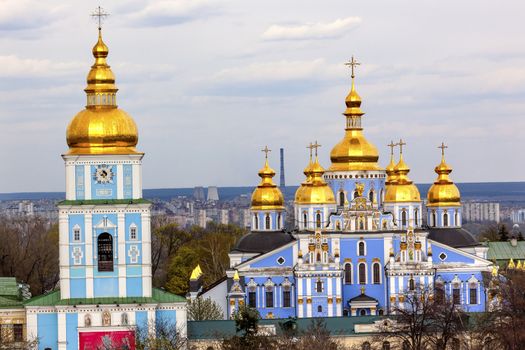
point(201, 309)
point(208, 247)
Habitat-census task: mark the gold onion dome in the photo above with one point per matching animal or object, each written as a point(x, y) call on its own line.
point(102, 127)
point(267, 195)
point(354, 152)
point(308, 173)
point(315, 190)
point(443, 192)
point(403, 190)
point(391, 167)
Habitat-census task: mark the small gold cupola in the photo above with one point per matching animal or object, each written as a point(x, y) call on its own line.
point(308, 173)
point(267, 196)
point(403, 190)
point(315, 190)
point(354, 152)
point(391, 167)
point(102, 127)
point(443, 192)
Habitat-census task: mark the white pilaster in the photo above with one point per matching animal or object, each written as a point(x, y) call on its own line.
point(121, 252)
point(151, 320)
point(87, 181)
point(300, 307)
point(338, 294)
point(88, 224)
point(137, 181)
point(180, 322)
point(146, 254)
point(63, 242)
point(329, 281)
point(308, 297)
point(70, 182)
point(62, 340)
point(31, 326)
point(120, 181)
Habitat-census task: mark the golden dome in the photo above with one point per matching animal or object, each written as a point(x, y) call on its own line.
point(308, 173)
point(315, 190)
point(403, 190)
point(443, 193)
point(267, 195)
point(354, 152)
point(101, 128)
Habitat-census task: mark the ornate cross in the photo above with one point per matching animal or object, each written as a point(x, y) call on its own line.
point(443, 146)
point(316, 146)
point(101, 14)
point(352, 64)
point(310, 147)
point(392, 145)
point(401, 144)
point(266, 150)
point(77, 255)
point(133, 254)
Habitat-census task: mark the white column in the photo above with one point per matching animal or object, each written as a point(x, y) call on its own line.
point(300, 307)
point(121, 253)
point(87, 181)
point(32, 325)
point(338, 294)
point(146, 254)
point(63, 229)
point(181, 317)
point(401, 287)
point(137, 181)
point(308, 296)
point(120, 181)
point(151, 320)
point(62, 341)
point(70, 181)
point(329, 293)
point(88, 225)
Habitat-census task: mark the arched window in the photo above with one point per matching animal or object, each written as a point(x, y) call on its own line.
point(318, 258)
point(319, 286)
point(361, 248)
point(279, 221)
point(362, 273)
point(416, 217)
point(439, 292)
point(318, 220)
point(376, 273)
point(445, 219)
point(386, 345)
point(366, 345)
point(305, 219)
point(433, 224)
point(256, 221)
point(356, 194)
point(105, 252)
point(362, 313)
point(382, 195)
point(371, 196)
point(267, 221)
point(319, 308)
point(341, 198)
point(348, 273)
point(403, 218)
point(76, 233)
point(411, 284)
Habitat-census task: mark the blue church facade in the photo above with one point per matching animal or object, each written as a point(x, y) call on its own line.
point(362, 239)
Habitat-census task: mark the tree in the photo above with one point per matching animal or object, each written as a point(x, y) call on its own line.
point(201, 309)
point(163, 334)
point(503, 233)
point(420, 322)
point(316, 336)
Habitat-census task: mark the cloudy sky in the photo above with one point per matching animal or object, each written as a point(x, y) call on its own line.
point(211, 82)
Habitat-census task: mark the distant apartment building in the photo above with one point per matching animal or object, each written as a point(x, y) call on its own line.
point(245, 218)
point(518, 216)
point(224, 216)
point(201, 218)
point(481, 211)
point(213, 193)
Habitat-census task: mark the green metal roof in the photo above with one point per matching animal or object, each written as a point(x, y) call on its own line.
point(505, 251)
point(226, 328)
point(9, 287)
point(53, 298)
point(104, 201)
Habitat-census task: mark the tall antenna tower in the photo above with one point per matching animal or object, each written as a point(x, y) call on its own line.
point(281, 180)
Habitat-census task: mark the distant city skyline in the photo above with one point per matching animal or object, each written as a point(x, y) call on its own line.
point(209, 83)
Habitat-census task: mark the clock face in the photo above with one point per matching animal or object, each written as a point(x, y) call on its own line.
point(103, 174)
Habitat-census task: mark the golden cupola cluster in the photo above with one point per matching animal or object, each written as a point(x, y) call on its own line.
point(314, 190)
point(102, 127)
point(354, 152)
point(267, 196)
point(400, 187)
point(443, 192)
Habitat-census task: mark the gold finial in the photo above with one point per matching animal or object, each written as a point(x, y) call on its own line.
point(196, 273)
point(101, 14)
point(401, 144)
point(494, 271)
point(511, 264)
point(315, 146)
point(266, 150)
point(352, 64)
point(236, 277)
point(443, 146)
point(362, 290)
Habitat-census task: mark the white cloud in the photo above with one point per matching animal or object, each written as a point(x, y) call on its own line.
point(14, 66)
point(311, 30)
point(171, 12)
point(24, 14)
